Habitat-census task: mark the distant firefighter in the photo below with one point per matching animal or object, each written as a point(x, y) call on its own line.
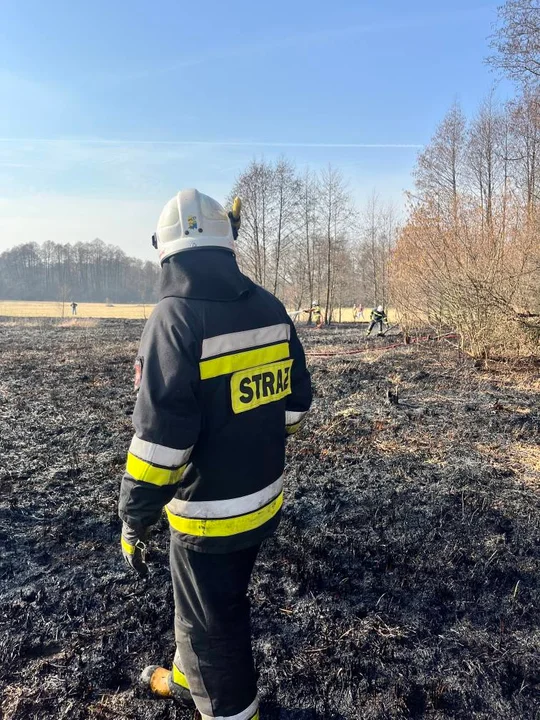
point(358, 312)
point(377, 317)
point(74, 308)
point(315, 315)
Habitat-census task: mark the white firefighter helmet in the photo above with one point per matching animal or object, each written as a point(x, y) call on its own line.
point(380, 308)
point(192, 220)
point(314, 303)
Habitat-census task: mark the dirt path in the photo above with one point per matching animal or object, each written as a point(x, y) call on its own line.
point(404, 582)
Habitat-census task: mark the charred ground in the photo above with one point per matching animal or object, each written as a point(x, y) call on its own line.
point(404, 581)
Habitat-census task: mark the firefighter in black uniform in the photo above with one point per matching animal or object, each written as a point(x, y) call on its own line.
point(223, 381)
point(377, 317)
point(314, 314)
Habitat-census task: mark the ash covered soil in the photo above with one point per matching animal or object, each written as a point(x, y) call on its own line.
point(404, 581)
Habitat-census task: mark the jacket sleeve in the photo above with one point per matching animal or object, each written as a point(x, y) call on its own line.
point(166, 417)
point(299, 401)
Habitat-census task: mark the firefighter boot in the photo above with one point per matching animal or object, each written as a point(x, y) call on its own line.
point(160, 682)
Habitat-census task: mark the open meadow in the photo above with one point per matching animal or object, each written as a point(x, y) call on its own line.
point(404, 581)
point(21, 308)
point(14, 308)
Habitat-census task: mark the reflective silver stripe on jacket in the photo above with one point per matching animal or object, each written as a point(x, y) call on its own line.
point(292, 417)
point(248, 714)
point(159, 454)
point(245, 339)
point(215, 509)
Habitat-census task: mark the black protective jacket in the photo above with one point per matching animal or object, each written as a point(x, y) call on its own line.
point(223, 380)
point(377, 316)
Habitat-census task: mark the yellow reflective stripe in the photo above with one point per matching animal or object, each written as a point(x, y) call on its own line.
point(291, 429)
point(130, 549)
point(244, 340)
point(224, 527)
point(159, 454)
point(141, 470)
point(179, 678)
point(233, 507)
point(243, 360)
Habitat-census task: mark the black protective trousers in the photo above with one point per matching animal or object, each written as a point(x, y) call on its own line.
point(373, 323)
point(213, 631)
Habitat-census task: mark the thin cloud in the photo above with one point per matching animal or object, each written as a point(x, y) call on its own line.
point(218, 143)
point(264, 45)
point(302, 38)
point(16, 165)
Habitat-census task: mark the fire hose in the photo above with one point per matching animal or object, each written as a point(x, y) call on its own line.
point(358, 351)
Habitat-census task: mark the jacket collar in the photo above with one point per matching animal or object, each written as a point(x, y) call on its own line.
point(204, 274)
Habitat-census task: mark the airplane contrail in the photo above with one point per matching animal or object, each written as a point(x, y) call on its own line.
point(218, 143)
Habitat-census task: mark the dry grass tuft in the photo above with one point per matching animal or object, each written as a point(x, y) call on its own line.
point(528, 457)
point(108, 707)
point(79, 322)
point(12, 695)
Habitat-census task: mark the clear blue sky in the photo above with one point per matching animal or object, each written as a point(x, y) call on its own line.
point(109, 107)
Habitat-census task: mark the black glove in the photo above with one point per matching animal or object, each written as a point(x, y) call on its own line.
point(134, 549)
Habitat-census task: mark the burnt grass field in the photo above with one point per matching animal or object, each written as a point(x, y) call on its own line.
point(404, 581)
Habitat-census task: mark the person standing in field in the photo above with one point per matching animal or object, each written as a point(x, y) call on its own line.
point(222, 382)
point(73, 308)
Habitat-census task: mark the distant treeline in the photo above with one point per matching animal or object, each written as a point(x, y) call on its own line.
point(84, 272)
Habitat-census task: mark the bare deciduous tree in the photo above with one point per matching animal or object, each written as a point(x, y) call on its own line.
point(295, 232)
point(516, 41)
point(486, 156)
point(474, 267)
point(336, 213)
point(440, 165)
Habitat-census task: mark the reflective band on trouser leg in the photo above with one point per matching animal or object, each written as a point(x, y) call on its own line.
point(178, 677)
point(130, 549)
point(223, 527)
point(250, 713)
point(141, 470)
